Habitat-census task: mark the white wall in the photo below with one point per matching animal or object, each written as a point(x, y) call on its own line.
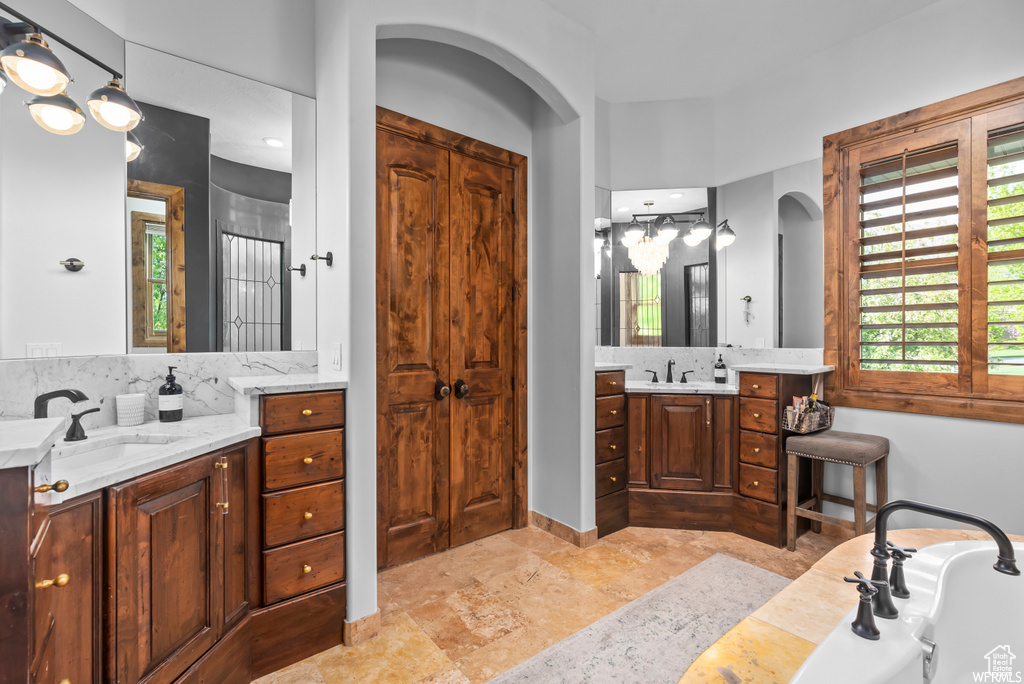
point(61, 197)
point(803, 262)
point(663, 144)
point(304, 197)
point(603, 144)
point(555, 57)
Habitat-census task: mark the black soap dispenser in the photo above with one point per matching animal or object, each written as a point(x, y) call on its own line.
point(720, 371)
point(172, 399)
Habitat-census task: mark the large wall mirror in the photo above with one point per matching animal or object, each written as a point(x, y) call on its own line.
point(194, 233)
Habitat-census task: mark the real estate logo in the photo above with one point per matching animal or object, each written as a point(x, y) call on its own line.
point(1000, 666)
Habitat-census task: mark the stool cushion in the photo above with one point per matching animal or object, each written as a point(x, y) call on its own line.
point(851, 448)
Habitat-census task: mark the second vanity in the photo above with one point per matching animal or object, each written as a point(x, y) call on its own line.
point(696, 455)
point(206, 550)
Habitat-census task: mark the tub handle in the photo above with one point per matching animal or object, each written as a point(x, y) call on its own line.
point(928, 659)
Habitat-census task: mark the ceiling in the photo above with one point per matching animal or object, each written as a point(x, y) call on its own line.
point(242, 112)
point(677, 49)
point(633, 201)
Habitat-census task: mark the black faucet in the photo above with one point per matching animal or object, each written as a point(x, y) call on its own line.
point(897, 582)
point(682, 378)
point(671, 363)
point(43, 399)
point(76, 433)
point(655, 373)
point(864, 625)
point(1006, 563)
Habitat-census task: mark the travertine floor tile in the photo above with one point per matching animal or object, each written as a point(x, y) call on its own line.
point(449, 674)
point(537, 540)
point(649, 576)
point(596, 565)
point(811, 606)
point(302, 672)
point(505, 653)
point(752, 651)
point(400, 653)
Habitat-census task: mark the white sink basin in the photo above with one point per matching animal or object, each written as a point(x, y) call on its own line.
point(690, 387)
point(127, 447)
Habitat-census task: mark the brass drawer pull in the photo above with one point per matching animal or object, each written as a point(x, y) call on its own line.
point(307, 412)
point(612, 447)
point(613, 479)
point(612, 382)
point(613, 412)
point(306, 569)
point(756, 483)
point(757, 415)
point(307, 460)
point(756, 386)
point(220, 464)
point(58, 581)
point(58, 486)
point(707, 422)
point(222, 504)
point(307, 515)
point(757, 450)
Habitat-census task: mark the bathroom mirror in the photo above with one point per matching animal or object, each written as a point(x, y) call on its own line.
point(221, 211)
point(661, 292)
point(187, 248)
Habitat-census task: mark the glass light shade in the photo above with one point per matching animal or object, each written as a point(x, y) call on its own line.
point(648, 256)
point(634, 233)
point(32, 66)
point(726, 236)
point(702, 229)
point(668, 231)
point(691, 239)
point(57, 113)
point(132, 147)
point(113, 108)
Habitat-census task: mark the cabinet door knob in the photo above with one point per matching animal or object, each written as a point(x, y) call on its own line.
point(613, 479)
point(756, 386)
point(222, 504)
point(757, 415)
point(307, 460)
point(58, 581)
point(58, 486)
point(611, 382)
point(756, 483)
point(707, 422)
point(307, 412)
point(757, 450)
point(612, 447)
point(306, 569)
point(307, 515)
point(613, 412)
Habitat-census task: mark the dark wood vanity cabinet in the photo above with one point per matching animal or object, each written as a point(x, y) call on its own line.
point(681, 445)
point(179, 563)
point(610, 440)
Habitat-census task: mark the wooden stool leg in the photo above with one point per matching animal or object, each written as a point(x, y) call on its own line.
point(791, 501)
point(817, 491)
point(881, 482)
point(860, 503)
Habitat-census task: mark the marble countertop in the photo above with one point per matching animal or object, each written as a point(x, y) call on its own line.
point(128, 452)
point(787, 368)
point(774, 641)
point(641, 387)
point(281, 384)
point(601, 366)
point(25, 442)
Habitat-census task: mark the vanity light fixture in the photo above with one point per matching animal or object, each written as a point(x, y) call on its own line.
point(57, 113)
point(113, 108)
point(702, 230)
point(667, 232)
point(726, 235)
point(132, 147)
point(633, 234)
point(33, 67)
point(691, 240)
point(27, 60)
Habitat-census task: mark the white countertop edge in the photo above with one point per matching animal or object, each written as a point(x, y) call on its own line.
point(610, 366)
point(787, 368)
point(198, 436)
point(25, 442)
point(281, 384)
point(637, 387)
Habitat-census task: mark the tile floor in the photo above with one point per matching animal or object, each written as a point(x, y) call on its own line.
point(470, 613)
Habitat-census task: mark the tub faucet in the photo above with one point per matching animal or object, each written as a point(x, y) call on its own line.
point(44, 399)
point(864, 626)
point(671, 363)
point(1006, 563)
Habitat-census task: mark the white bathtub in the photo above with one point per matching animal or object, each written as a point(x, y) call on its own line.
point(973, 614)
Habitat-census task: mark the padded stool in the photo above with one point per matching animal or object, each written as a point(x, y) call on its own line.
point(846, 448)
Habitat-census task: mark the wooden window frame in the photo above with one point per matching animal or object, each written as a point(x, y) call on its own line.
point(971, 395)
point(143, 334)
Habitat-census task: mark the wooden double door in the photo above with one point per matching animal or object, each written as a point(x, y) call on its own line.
point(446, 339)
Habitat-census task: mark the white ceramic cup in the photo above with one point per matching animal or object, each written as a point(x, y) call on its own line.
point(131, 409)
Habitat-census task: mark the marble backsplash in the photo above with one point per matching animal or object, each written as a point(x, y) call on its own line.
point(201, 376)
point(699, 359)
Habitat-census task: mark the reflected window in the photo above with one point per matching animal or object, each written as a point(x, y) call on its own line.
point(639, 310)
point(252, 286)
point(149, 279)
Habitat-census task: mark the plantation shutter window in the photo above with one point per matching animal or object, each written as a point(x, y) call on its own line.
point(924, 259)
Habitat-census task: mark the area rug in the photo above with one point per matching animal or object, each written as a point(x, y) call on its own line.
point(653, 639)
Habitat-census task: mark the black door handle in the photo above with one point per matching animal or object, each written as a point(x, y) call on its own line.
point(441, 390)
point(461, 389)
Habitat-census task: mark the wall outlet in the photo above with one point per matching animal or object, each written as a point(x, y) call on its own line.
point(336, 356)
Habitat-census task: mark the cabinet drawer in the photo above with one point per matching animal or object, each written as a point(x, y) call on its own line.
point(610, 382)
point(610, 444)
point(612, 512)
point(610, 412)
point(304, 411)
point(758, 415)
point(298, 568)
point(297, 460)
point(757, 482)
point(610, 477)
point(303, 513)
point(760, 386)
point(758, 448)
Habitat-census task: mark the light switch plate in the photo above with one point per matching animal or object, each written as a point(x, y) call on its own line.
point(336, 356)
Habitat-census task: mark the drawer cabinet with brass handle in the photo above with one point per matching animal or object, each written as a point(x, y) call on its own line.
point(302, 513)
point(304, 566)
point(610, 382)
point(610, 447)
point(303, 458)
point(281, 413)
point(610, 411)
